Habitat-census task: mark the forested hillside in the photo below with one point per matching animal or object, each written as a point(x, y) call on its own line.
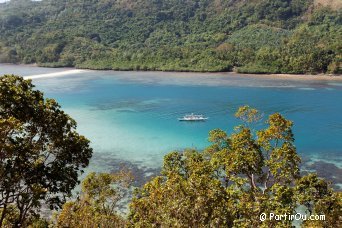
point(259, 36)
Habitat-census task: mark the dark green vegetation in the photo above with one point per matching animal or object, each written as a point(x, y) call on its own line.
point(41, 154)
point(253, 36)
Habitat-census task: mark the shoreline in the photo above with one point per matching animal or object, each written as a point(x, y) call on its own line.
point(73, 70)
point(298, 77)
point(56, 74)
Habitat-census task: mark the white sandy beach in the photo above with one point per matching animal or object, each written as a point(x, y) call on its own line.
point(56, 74)
point(189, 75)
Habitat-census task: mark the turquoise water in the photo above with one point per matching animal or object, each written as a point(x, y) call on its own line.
point(131, 117)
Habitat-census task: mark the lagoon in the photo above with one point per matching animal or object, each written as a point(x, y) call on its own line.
point(131, 117)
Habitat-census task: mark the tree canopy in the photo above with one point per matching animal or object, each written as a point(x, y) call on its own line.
point(41, 154)
point(97, 204)
point(251, 36)
point(228, 184)
point(236, 179)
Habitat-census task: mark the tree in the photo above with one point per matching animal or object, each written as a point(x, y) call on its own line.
point(260, 36)
point(96, 205)
point(41, 154)
point(319, 199)
point(235, 180)
point(185, 196)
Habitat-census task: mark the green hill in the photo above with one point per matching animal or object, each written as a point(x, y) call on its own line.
point(255, 36)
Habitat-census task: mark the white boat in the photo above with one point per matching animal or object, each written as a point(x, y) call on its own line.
point(193, 117)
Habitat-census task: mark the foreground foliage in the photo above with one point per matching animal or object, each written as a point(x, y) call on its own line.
point(234, 180)
point(41, 154)
point(97, 204)
point(252, 36)
point(229, 184)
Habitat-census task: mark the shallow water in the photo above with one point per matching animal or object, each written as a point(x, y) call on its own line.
point(131, 117)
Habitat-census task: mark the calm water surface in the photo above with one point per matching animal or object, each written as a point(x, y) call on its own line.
point(132, 116)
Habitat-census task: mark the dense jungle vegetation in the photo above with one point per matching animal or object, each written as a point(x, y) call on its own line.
point(253, 36)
